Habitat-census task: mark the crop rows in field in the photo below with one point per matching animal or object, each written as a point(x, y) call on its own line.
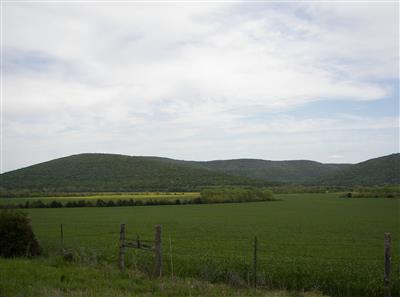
point(305, 241)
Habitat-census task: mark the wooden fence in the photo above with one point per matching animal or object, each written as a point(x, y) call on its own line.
point(152, 246)
point(156, 247)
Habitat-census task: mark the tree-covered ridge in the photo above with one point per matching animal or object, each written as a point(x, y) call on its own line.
point(297, 171)
point(379, 171)
point(108, 172)
point(119, 173)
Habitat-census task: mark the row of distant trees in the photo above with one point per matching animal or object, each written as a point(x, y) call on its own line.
point(374, 192)
point(207, 196)
point(357, 191)
point(99, 203)
point(20, 193)
point(48, 192)
point(234, 194)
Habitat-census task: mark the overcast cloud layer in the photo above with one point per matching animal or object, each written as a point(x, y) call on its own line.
point(200, 81)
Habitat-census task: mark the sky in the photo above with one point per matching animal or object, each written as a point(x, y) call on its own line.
point(199, 81)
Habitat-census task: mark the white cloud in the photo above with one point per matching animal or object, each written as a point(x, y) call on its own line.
point(169, 76)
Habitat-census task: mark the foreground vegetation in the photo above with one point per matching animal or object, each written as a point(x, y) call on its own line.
point(54, 277)
point(307, 241)
point(17, 237)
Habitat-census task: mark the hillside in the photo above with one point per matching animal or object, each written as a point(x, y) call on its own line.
point(296, 171)
point(299, 171)
point(379, 171)
point(108, 172)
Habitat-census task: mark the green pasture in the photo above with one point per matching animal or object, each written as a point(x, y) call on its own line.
point(306, 241)
point(53, 277)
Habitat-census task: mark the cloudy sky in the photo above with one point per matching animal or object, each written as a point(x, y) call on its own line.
point(200, 81)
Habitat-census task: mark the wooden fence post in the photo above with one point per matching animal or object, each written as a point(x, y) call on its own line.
point(255, 261)
point(170, 257)
point(122, 247)
point(62, 237)
point(157, 252)
point(388, 258)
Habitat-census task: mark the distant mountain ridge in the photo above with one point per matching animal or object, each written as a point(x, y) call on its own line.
point(110, 172)
point(299, 171)
point(377, 171)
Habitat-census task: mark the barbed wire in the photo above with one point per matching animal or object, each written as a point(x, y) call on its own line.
point(243, 257)
point(236, 248)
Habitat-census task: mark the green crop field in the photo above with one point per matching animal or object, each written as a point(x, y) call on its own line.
point(306, 241)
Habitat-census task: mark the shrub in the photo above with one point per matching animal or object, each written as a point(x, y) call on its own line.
point(232, 194)
point(17, 237)
point(374, 192)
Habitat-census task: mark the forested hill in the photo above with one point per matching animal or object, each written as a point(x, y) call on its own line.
point(378, 171)
point(298, 171)
point(109, 172)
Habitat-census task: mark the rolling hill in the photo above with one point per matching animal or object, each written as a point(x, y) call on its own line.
point(110, 172)
point(296, 171)
point(379, 171)
point(299, 171)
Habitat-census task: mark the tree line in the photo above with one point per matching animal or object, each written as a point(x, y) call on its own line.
point(207, 196)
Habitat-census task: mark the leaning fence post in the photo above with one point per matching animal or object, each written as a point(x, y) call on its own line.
point(255, 261)
point(138, 241)
point(157, 252)
point(388, 258)
point(122, 247)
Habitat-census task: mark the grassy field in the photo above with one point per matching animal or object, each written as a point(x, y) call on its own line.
point(306, 241)
point(55, 278)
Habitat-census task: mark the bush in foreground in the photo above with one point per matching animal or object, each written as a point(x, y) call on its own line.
point(17, 237)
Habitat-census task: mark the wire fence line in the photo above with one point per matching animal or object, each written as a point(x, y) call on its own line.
point(225, 246)
point(272, 264)
point(244, 242)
